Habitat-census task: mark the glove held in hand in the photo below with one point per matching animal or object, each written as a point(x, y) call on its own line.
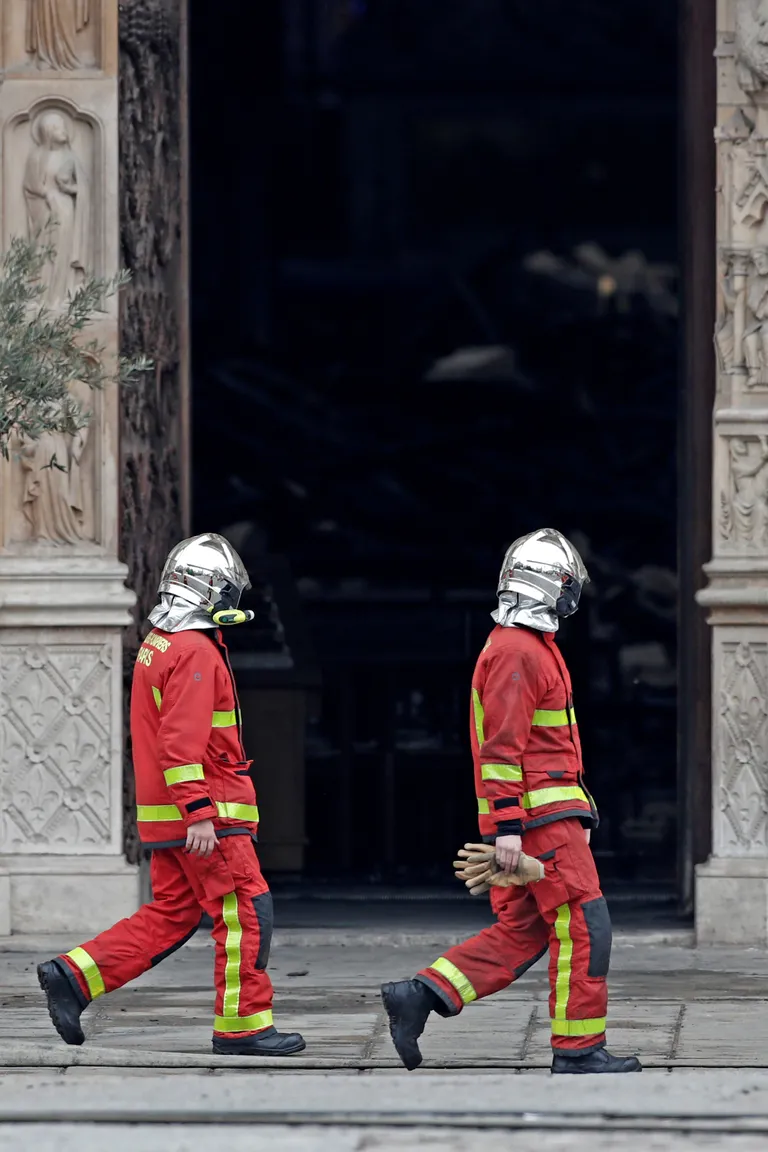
point(479, 869)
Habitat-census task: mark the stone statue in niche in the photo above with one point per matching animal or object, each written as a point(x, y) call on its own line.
point(58, 203)
point(52, 28)
point(728, 306)
point(54, 496)
point(743, 513)
point(756, 332)
point(752, 44)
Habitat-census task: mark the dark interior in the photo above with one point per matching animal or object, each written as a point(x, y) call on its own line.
point(434, 290)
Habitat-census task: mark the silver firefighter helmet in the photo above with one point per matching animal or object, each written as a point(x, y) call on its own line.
point(545, 567)
point(205, 571)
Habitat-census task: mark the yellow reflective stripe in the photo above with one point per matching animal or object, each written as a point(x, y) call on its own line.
point(243, 1023)
point(157, 813)
point(224, 720)
point(456, 978)
point(231, 1002)
point(237, 811)
point(564, 957)
point(547, 718)
point(552, 796)
point(184, 773)
point(479, 717)
point(579, 1027)
point(158, 697)
point(90, 970)
point(501, 772)
point(483, 808)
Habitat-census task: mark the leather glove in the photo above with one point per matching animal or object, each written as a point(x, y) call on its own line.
point(478, 868)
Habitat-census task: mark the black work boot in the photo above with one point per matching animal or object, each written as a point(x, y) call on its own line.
point(270, 1042)
point(598, 1061)
point(408, 1004)
point(66, 1002)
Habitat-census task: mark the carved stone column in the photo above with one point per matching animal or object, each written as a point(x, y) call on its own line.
point(63, 600)
point(732, 887)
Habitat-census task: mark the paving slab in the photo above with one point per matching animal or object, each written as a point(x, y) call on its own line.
point(676, 1007)
point(178, 1138)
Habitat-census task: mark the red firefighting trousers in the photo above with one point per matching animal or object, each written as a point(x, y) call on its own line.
point(228, 886)
point(564, 912)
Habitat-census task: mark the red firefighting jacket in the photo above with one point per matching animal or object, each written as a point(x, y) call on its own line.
point(525, 743)
point(186, 732)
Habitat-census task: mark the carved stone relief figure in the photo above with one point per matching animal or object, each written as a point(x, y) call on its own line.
point(55, 500)
point(752, 43)
point(58, 203)
point(52, 28)
point(743, 519)
point(727, 308)
point(756, 333)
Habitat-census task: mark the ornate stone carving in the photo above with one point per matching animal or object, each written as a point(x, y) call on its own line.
point(57, 197)
point(54, 489)
point(743, 729)
point(752, 44)
point(55, 747)
point(53, 27)
point(743, 522)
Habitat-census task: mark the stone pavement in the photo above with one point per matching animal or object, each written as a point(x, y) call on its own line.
point(698, 1020)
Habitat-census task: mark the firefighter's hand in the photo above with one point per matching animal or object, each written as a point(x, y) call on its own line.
point(201, 838)
point(508, 849)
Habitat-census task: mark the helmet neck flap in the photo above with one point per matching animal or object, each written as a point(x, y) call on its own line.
point(516, 611)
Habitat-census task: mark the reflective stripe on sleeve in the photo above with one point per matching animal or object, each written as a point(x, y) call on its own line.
point(90, 970)
point(158, 697)
point(456, 979)
point(253, 1023)
point(552, 796)
point(224, 720)
point(184, 773)
point(483, 808)
point(548, 718)
point(501, 772)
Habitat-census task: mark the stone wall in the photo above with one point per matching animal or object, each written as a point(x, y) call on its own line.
point(63, 600)
point(732, 887)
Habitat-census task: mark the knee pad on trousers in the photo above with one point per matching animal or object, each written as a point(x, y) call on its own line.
point(262, 906)
point(598, 921)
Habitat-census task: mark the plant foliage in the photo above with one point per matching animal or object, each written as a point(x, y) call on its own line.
point(42, 351)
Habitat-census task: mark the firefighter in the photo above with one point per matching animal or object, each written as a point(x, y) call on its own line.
point(196, 811)
point(531, 797)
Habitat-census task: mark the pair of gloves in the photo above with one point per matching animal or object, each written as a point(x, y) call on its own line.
point(479, 869)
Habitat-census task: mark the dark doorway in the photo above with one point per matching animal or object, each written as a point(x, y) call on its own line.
point(434, 249)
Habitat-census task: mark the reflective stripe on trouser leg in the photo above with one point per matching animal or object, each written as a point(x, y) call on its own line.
point(230, 1019)
point(85, 964)
point(566, 1023)
point(242, 931)
point(493, 958)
